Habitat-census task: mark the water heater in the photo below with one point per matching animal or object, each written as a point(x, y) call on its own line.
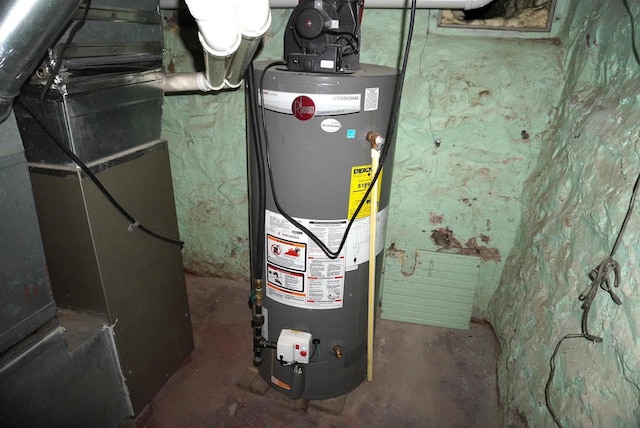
point(309, 161)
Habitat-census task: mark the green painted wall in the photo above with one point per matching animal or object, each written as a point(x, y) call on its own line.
point(573, 206)
point(474, 94)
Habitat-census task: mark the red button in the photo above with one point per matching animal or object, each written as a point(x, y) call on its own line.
point(303, 353)
point(297, 346)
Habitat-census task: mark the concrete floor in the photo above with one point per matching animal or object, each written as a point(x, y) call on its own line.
point(423, 376)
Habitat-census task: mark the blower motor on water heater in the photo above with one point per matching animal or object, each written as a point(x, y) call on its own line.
point(324, 36)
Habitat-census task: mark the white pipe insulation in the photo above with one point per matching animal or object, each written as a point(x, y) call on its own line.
point(374, 4)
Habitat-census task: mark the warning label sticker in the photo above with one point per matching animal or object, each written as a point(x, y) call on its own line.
point(298, 272)
point(286, 254)
point(360, 182)
point(286, 280)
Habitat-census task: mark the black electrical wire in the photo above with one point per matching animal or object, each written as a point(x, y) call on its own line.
point(355, 49)
point(634, 47)
point(391, 130)
point(76, 27)
point(58, 142)
point(600, 275)
point(599, 279)
point(353, 42)
point(258, 262)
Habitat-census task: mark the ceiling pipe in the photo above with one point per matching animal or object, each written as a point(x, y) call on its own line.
point(27, 29)
point(372, 4)
point(400, 4)
point(231, 31)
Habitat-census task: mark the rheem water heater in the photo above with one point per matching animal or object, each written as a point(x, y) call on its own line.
point(310, 160)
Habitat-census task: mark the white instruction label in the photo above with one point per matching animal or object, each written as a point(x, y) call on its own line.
point(371, 96)
point(298, 272)
point(357, 245)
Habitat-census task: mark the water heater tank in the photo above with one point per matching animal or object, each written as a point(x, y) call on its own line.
point(320, 163)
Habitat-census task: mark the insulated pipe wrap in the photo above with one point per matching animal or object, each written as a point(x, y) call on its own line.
point(27, 29)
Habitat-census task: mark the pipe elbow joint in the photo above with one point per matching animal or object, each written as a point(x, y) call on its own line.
point(375, 139)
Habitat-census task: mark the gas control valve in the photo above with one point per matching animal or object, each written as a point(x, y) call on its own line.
point(294, 346)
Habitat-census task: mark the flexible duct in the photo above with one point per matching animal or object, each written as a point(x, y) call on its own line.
point(27, 29)
point(373, 4)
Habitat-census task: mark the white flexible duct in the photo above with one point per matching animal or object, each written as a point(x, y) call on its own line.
point(374, 4)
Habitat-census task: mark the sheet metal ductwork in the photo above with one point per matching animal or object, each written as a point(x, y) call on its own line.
point(27, 29)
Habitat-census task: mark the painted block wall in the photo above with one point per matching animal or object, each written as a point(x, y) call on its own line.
point(474, 95)
point(573, 207)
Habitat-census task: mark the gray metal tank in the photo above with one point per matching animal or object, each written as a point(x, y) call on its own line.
point(320, 161)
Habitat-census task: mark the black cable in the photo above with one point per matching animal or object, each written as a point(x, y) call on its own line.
point(76, 27)
point(634, 47)
point(600, 275)
point(599, 279)
point(134, 223)
point(258, 262)
point(353, 43)
point(391, 130)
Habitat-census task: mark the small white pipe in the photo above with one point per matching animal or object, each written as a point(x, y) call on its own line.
point(373, 4)
point(186, 82)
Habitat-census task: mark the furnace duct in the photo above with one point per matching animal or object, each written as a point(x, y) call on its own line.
point(230, 33)
point(27, 29)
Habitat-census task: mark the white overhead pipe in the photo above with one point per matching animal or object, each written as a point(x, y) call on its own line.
point(254, 19)
point(230, 33)
point(373, 4)
point(219, 36)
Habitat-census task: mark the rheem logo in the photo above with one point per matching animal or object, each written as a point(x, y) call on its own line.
point(303, 108)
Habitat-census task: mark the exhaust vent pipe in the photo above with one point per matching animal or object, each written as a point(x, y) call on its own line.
point(27, 29)
point(254, 19)
point(230, 33)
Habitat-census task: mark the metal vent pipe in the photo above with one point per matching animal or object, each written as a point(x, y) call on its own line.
point(27, 29)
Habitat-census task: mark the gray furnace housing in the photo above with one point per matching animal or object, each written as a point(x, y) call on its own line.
point(312, 161)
